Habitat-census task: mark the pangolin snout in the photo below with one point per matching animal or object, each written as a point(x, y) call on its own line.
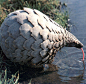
point(79, 45)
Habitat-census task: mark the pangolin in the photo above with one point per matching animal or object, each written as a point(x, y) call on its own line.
point(30, 37)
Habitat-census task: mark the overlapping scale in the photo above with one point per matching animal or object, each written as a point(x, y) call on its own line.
point(29, 36)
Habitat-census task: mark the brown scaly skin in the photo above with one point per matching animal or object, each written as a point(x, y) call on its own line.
point(72, 41)
point(30, 37)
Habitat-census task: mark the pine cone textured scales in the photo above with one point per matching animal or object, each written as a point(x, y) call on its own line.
point(29, 36)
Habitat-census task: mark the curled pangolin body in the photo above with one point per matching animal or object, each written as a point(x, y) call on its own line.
point(29, 36)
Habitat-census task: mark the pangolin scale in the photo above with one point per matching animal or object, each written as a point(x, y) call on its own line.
point(30, 37)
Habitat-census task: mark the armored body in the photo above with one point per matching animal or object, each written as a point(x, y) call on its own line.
point(30, 37)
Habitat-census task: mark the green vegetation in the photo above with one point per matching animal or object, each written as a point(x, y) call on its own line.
point(4, 80)
point(52, 8)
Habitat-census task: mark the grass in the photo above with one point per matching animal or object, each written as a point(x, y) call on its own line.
point(52, 8)
point(4, 80)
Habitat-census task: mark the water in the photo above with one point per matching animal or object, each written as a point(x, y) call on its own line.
point(70, 59)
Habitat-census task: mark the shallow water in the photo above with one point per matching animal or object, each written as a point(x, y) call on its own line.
point(70, 59)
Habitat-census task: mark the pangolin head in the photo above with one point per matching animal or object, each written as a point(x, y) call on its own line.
point(72, 41)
